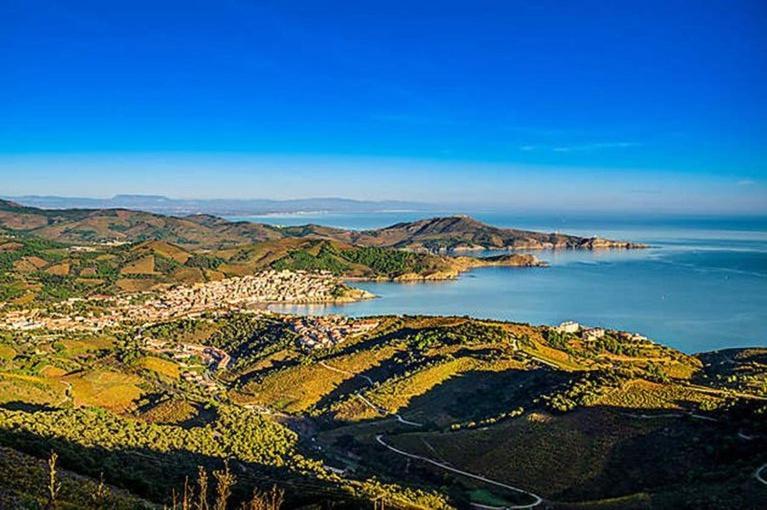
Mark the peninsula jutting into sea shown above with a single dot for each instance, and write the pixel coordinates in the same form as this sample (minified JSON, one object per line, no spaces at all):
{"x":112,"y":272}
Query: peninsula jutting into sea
{"x":160,"y":329}
{"x":338,"y":255}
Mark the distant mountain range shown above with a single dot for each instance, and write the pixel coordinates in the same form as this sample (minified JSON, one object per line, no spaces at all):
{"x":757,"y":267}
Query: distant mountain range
{"x":225,"y":207}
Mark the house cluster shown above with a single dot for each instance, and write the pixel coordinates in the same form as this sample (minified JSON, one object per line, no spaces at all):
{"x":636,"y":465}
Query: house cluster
{"x":213,"y":358}
{"x":326,"y":331}
{"x":21,"y":320}
{"x":265,"y":287}
{"x":201,"y":380}
{"x":28,"y":319}
{"x":590,"y":334}
{"x":594,"y":334}
{"x":633,"y":337}
{"x":232,"y":293}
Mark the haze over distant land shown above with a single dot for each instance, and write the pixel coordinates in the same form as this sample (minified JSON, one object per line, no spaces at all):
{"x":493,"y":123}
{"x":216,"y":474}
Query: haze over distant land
{"x":223,"y":206}
{"x":465,"y":186}
{"x":314,"y":207}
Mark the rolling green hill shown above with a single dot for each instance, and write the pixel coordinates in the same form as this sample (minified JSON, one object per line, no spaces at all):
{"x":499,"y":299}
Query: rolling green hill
{"x":416,"y":412}
{"x":90,"y":226}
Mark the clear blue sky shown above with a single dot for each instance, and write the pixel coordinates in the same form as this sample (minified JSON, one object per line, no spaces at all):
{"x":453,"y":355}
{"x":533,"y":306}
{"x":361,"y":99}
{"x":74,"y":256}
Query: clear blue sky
{"x":657,"y":105}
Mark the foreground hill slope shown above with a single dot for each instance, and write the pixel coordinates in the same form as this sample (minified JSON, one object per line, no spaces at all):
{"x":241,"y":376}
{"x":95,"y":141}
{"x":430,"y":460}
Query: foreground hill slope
{"x":434,"y":235}
{"x":402,"y":409}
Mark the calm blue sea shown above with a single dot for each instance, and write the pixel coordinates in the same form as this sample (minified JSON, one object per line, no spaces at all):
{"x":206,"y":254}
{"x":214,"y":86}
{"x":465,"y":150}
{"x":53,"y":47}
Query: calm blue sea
{"x":702,"y":285}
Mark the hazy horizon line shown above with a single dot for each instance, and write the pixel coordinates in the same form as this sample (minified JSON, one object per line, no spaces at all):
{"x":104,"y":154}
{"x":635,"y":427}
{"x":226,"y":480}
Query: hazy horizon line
{"x":443,"y":208}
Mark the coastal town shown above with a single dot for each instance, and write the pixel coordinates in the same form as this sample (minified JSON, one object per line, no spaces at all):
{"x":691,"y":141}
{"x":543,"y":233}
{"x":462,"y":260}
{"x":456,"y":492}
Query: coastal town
{"x":100,"y":312}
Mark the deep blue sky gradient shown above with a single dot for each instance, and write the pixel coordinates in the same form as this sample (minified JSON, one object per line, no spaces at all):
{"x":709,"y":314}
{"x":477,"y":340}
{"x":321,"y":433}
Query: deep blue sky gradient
{"x":653,"y":104}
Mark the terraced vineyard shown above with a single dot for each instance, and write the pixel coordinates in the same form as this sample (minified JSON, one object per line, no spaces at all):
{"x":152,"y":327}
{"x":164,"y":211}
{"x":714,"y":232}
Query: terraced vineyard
{"x":34,"y":271}
{"x":409,"y":412}
{"x":419,"y":412}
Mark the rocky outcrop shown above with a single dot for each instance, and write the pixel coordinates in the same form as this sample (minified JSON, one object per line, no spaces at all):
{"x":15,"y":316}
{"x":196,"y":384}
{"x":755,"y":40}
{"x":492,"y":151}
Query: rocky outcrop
{"x":511,"y":260}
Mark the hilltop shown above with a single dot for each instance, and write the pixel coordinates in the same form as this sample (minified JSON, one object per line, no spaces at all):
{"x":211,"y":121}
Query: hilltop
{"x":456,"y":234}
{"x":462,"y":233}
{"x":435,"y":235}
{"x":419,"y":412}
{"x":93,"y":226}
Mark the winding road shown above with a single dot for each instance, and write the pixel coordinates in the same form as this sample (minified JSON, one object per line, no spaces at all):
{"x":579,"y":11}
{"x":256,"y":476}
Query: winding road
{"x":670,"y":415}
{"x":379,"y":410}
{"x":758,"y":474}
{"x":537,"y":500}
{"x":384,"y":412}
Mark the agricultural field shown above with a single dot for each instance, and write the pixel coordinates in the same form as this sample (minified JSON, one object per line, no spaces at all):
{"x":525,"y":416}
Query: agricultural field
{"x":34,"y":270}
{"x":423,"y":412}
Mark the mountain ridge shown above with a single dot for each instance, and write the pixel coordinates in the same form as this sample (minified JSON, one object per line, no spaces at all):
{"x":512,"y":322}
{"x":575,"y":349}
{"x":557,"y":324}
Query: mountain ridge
{"x":432,"y":235}
{"x":460,"y":233}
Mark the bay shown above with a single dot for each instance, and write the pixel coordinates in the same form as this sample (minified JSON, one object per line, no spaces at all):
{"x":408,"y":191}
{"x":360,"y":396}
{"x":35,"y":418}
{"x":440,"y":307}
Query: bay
{"x":702,"y":285}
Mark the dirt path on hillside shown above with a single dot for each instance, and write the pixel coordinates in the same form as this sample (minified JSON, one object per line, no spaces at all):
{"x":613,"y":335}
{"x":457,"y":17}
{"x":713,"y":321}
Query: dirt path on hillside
{"x":537,"y":500}
{"x":378,"y":409}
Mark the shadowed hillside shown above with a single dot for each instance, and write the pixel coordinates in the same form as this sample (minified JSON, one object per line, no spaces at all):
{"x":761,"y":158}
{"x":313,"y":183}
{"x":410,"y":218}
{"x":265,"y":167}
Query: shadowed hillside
{"x":407,"y":409}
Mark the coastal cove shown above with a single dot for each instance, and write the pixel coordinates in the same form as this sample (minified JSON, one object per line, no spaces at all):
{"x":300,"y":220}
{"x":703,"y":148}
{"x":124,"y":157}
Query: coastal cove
{"x":700,"y":286}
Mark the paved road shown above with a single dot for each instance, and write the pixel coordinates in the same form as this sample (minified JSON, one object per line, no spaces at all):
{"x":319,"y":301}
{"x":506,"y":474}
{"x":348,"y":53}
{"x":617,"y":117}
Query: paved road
{"x":383,"y":411}
{"x":670,"y":415}
{"x":758,"y":474}
{"x":537,"y":500}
